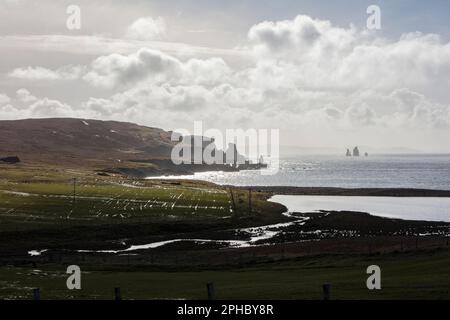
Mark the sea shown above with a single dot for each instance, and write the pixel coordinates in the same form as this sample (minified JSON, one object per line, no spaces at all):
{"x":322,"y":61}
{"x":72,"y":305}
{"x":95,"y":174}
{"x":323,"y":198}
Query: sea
{"x":420,"y":171}
{"x":430,"y":171}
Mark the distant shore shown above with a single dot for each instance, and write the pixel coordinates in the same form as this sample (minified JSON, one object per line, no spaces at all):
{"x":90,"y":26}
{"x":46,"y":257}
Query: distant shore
{"x":159,"y":168}
{"x":330,"y":191}
{"x":333,"y":191}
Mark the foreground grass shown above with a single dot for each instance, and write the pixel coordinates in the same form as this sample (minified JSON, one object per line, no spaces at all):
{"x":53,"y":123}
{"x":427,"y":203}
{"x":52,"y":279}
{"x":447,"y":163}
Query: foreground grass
{"x":36,"y":199}
{"x":419,"y":275}
{"x":38,"y":210}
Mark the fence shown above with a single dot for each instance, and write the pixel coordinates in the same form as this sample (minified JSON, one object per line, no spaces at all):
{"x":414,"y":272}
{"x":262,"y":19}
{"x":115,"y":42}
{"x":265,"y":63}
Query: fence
{"x":210,"y":291}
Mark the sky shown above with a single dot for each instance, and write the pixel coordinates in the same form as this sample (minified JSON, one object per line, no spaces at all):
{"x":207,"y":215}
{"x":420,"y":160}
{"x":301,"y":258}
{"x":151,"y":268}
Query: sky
{"x":312,"y":69}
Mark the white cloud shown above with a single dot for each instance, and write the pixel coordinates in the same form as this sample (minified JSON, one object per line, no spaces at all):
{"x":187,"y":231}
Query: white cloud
{"x":315,"y":54}
{"x":26,"y":105}
{"x":307,"y":77}
{"x":50,"y":108}
{"x":121,"y":71}
{"x":302,"y":39}
{"x":23,"y":95}
{"x":41,"y":73}
{"x":147,"y":28}
{"x":361,"y":114}
{"x":306,"y":72}
{"x":4,"y":99}
{"x":94,"y":45}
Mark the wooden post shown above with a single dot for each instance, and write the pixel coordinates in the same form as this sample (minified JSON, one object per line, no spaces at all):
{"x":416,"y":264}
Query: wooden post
{"x":74,"y":183}
{"x":211,"y":291}
{"x":74,"y":189}
{"x":37,"y":294}
{"x":326,"y":291}
{"x":250,"y":200}
{"x":232,"y":200}
{"x":117,"y":295}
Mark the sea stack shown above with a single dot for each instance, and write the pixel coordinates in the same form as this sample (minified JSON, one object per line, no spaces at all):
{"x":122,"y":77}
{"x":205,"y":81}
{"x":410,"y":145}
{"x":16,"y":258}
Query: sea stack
{"x":348,"y":154}
{"x":356,"y":152}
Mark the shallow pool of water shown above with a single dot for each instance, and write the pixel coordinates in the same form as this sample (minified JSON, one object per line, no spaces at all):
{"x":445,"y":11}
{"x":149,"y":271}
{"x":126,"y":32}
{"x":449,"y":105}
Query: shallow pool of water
{"x":408,"y":208}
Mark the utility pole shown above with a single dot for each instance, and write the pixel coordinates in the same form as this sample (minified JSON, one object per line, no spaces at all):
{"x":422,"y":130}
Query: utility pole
{"x":232,"y":199}
{"x":250,"y":200}
{"x":74,"y":181}
{"x":74,"y":189}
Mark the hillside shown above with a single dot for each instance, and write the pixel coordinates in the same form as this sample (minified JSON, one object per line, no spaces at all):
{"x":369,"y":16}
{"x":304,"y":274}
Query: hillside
{"x":81,"y":142}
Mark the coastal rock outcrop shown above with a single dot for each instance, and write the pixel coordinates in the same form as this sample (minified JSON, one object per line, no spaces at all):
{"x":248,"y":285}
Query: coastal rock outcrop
{"x":10,"y":160}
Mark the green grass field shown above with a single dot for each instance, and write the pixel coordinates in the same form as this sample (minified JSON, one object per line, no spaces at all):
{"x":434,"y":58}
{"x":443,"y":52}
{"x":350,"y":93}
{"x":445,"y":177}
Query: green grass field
{"x":37,"y":211}
{"x":52,"y":201}
{"x":424,"y":275}
{"x":41,"y":198}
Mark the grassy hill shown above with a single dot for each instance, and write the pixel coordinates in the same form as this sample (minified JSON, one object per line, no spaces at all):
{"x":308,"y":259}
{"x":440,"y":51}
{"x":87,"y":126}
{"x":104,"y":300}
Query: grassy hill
{"x":81,"y":142}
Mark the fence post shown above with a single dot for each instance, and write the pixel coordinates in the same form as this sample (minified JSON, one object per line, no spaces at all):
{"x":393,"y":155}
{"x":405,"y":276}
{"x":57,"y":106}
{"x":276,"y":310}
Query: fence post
{"x":232,"y":199}
{"x":117,"y":295}
{"x":37,"y":294}
{"x":326,"y":291}
{"x":250,"y":200}
{"x":211,"y":291}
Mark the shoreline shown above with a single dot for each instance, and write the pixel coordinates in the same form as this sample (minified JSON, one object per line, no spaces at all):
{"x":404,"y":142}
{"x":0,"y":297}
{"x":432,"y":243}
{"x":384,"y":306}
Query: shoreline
{"x":309,"y":190}
{"x":322,"y":191}
{"x":335,"y":191}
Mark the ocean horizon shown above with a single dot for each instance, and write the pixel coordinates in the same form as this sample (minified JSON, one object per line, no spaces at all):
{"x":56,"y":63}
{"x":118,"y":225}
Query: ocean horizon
{"x":418,"y":171}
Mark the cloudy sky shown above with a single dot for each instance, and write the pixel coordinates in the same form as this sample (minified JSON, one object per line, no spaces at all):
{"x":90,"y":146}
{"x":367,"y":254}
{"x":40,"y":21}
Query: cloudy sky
{"x":310,"y":68}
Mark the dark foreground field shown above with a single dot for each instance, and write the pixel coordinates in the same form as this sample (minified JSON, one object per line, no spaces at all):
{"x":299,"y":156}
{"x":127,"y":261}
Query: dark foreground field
{"x":418,"y":275}
{"x":230,"y":236}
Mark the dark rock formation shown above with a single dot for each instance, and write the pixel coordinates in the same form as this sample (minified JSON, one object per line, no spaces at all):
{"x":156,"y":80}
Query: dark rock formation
{"x":10,"y":160}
